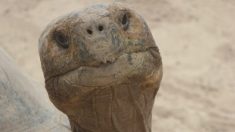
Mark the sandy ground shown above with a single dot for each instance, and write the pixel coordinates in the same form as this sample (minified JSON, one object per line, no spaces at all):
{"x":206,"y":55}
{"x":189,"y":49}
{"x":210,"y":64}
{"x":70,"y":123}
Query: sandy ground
{"x":196,"y":39}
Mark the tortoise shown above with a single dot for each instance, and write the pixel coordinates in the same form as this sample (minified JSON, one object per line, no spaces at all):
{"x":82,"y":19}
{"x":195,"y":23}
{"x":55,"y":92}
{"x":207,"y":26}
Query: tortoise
{"x":102,"y":69}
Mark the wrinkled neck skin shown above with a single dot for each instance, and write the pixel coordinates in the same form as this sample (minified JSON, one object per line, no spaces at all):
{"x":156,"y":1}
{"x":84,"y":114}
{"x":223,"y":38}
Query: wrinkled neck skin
{"x":118,"y":110}
{"x":117,"y":97}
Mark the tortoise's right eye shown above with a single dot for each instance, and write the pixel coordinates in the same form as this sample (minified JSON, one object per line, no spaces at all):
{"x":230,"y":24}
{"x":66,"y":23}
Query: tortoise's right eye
{"x":125,"y":21}
{"x":61,"y":39}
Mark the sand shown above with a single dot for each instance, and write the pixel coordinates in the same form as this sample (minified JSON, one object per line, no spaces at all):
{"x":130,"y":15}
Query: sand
{"x":196,"y":39}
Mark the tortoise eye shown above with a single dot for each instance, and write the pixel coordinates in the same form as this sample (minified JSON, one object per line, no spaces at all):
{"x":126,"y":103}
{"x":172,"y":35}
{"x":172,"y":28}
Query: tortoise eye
{"x":61,"y":39}
{"x":125,"y":21}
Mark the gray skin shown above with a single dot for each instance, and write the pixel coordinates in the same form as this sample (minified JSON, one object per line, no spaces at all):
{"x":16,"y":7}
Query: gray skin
{"x":102,"y":69}
{"x":24,"y":105}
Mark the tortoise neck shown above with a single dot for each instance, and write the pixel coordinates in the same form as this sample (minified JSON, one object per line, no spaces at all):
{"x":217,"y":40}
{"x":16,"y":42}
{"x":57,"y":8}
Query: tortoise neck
{"x":123,"y":108}
{"x":138,"y":125}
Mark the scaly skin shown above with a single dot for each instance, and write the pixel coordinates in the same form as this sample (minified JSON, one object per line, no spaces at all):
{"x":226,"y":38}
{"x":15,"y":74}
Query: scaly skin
{"x":102,"y":69}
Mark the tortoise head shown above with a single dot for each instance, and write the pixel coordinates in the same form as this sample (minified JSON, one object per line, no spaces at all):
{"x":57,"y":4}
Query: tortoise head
{"x":94,"y":50}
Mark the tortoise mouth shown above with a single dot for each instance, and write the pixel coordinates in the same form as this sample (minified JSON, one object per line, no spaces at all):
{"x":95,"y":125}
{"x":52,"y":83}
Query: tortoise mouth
{"x":108,"y":66}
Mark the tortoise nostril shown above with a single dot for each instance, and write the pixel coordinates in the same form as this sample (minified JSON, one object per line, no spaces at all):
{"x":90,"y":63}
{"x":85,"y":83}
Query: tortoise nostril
{"x":100,"y":28}
{"x":89,"y":31}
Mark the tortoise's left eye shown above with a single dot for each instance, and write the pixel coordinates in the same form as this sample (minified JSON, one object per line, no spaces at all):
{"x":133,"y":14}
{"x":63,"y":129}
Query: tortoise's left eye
{"x":61,"y":39}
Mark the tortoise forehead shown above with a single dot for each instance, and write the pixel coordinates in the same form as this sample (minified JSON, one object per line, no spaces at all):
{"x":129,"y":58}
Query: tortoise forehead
{"x":93,"y":12}
{"x":96,"y":9}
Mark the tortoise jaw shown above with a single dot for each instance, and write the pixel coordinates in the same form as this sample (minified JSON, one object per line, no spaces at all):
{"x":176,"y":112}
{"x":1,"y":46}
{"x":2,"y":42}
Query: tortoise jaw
{"x":112,"y":72}
{"x":106,"y":62}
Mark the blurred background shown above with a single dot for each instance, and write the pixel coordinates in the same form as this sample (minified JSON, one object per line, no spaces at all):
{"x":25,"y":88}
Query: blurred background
{"x":196,"y":39}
